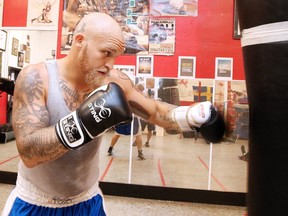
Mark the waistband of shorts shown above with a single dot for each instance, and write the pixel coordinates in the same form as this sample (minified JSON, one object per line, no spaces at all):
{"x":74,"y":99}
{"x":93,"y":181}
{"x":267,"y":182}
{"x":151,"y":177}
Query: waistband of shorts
{"x":31,"y":194}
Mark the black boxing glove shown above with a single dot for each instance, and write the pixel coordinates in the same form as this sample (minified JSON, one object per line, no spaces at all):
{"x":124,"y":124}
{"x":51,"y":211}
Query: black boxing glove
{"x":104,"y":108}
{"x":202,"y":117}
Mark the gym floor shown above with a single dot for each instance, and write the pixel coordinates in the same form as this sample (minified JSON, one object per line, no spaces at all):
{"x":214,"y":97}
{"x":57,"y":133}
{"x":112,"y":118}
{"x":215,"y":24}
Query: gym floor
{"x":170,"y":162}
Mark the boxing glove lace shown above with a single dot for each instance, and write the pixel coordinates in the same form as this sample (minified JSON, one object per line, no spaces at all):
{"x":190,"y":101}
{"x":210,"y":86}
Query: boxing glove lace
{"x":202,"y":117}
{"x":104,"y":108}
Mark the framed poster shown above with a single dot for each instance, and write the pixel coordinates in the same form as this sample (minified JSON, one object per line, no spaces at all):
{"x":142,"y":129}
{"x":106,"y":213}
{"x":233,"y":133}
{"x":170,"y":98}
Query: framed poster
{"x":186,"y":66}
{"x":27,"y":54}
{"x":3,"y":39}
{"x":20,"y":61}
{"x":145,"y":65}
{"x":223,"y":68}
{"x":15,"y":44}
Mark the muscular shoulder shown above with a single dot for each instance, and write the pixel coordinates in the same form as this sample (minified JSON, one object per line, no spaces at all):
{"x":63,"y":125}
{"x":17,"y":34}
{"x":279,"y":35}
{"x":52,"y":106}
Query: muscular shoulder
{"x":34,"y":69}
{"x":33,"y":77}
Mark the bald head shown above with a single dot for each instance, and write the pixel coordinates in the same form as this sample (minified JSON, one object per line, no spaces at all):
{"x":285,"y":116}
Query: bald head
{"x":95,"y":23}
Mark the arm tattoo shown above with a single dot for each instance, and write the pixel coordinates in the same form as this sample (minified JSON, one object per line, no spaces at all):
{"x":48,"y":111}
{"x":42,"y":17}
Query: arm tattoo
{"x":124,"y":76}
{"x":31,"y":120}
{"x":139,"y":110}
{"x":166,"y":120}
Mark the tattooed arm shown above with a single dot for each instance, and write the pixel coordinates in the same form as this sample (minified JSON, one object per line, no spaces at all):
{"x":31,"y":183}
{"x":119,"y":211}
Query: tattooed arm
{"x":36,"y":141}
{"x":154,"y":111}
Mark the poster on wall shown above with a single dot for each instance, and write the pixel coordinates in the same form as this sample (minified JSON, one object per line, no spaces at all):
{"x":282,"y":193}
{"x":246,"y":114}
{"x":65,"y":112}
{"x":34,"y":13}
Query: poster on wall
{"x":20,"y":61}
{"x":223,"y":68}
{"x":145,"y":66}
{"x":15,"y":45}
{"x":43,"y":13}
{"x":130,"y":14}
{"x":186,"y":66}
{"x":27,"y":55}
{"x":3,"y":40}
{"x":174,"y":8}
{"x":162,"y":36}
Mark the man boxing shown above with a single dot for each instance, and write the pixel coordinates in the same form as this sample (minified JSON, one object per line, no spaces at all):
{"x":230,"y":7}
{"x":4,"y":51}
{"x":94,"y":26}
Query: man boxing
{"x":62,"y":107}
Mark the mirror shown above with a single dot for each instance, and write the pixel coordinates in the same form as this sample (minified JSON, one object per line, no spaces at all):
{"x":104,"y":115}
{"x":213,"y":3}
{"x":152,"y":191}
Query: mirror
{"x":185,"y":161}
{"x":181,"y":161}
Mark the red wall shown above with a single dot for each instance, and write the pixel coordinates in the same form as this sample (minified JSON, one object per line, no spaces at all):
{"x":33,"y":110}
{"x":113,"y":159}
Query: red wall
{"x":207,"y":36}
{"x":15,"y":13}
{"x":3,"y":107}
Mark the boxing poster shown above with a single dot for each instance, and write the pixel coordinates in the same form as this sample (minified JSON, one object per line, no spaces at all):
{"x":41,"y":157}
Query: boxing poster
{"x":132,"y":16}
{"x":162,"y":36}
{"x":174,"y":8}
{"x":43,"y":13}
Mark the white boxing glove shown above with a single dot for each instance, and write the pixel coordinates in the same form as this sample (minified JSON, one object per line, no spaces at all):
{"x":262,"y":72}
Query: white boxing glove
{"x":203,"y":117}
{"x":192,"y":116}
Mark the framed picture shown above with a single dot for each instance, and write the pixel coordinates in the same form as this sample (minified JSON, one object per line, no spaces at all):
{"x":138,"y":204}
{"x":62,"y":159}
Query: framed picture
{"x":27,"y":54}
{"x":15,"y":45}
{"x":223,"y":68}
{"x":186,"y":66}
{"x":145,"y":64}
{"x":236,"y":30}
{"x":3,"y":39}
{"x":20,"y":62}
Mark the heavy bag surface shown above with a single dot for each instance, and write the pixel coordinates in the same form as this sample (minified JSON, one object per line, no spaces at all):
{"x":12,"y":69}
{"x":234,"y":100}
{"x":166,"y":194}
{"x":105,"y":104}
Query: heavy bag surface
{"x":265,"y":49}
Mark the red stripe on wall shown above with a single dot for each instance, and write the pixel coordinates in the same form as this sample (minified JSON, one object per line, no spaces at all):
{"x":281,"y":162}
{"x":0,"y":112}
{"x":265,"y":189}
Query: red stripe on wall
{"x":15,"y":13}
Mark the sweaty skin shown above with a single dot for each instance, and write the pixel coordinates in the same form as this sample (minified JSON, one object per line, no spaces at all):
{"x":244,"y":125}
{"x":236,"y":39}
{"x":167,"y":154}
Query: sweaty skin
{"x":97,"y":41}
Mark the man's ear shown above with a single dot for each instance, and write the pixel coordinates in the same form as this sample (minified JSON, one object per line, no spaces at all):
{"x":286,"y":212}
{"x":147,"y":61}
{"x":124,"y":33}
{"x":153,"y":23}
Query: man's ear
{"x":79,"y":39}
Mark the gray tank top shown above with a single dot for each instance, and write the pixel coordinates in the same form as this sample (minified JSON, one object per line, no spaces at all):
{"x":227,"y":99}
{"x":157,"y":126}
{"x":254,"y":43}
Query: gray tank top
{"x":55,"y":102}
{"x":75,"y":171}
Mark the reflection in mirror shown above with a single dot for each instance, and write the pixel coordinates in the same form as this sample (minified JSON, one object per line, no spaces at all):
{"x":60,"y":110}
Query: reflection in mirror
{"x":186,"y":160}
{"x":181,"y":161}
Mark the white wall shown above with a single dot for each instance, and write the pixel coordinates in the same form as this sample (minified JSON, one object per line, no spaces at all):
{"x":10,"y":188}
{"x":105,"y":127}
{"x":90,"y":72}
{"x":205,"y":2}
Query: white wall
{"x":41,"y":45}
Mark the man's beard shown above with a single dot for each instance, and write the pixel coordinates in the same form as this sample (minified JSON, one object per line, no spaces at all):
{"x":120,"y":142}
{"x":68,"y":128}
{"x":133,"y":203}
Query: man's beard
{"x":92,"y":79}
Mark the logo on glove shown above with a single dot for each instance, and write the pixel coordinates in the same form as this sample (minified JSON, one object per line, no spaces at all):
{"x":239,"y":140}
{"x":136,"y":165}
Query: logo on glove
{"x":103,"y":113}
{"x":70,"y":129}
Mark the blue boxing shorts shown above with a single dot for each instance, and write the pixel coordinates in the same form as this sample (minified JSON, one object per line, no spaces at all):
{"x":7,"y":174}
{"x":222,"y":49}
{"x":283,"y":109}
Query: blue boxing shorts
{"x":80,"y":205}
{"x":125,"y":129}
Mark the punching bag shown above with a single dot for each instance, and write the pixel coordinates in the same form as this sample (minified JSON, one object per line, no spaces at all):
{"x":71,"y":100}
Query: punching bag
{"x":264,"y":41}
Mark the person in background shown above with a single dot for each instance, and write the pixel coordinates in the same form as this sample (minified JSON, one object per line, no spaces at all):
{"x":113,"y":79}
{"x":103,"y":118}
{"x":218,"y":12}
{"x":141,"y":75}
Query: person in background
{"x":144,"y":123}
{"x":125,"y":130}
